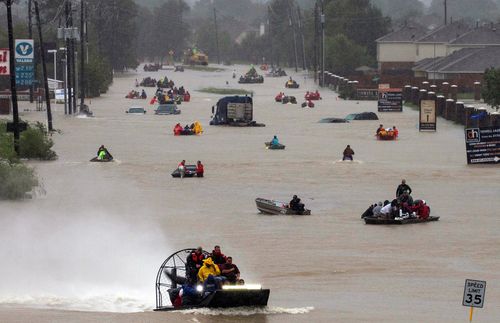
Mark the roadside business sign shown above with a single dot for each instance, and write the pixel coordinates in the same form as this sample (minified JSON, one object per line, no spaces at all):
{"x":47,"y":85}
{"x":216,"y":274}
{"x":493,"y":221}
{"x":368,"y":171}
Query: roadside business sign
{"x":390,"y":100}
{"x":24,"y":55}
{"x":482,"y":145}
{"x":427,"y":117}
{"x":474,"y":293}
{"x":4,"y":61}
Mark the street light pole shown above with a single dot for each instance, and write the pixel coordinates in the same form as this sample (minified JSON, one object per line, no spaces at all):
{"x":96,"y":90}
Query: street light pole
{"x":13,"y":89}
{"x":323,"y":43}
{"x":65,"y":79}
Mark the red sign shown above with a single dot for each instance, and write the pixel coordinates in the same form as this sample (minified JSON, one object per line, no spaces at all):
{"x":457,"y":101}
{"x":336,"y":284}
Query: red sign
{"x":4,"y":62}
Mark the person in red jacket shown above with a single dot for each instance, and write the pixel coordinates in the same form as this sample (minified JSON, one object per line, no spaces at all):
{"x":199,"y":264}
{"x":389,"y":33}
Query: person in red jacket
{"x":178,"y":129}
{"x":217,"y":256}
{"x":199,"y":169}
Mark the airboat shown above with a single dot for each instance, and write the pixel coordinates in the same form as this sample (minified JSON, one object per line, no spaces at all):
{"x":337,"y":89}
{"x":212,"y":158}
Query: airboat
{"x":172,"y":274}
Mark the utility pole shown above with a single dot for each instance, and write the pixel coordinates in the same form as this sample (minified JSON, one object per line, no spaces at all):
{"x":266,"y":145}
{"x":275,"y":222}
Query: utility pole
{"x":216,"y":36}
{"x":73,"y":62}
{"x":69,"y":86}
{"x":445,"y":13}
{"x":270,"y":34}
{"x":30,"y":36}
{"x":293,"y":35}
{"x":322,"y":43}
{"x":301,"y":30}
{"x":315,"y":49}
{"x":13,"y":89}
{"x":82,"y":56}
{"x":44,"y":68}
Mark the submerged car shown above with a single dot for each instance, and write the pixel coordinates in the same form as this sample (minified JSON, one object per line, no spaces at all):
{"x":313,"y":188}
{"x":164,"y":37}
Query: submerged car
{"x":362,"y":116}
{"x":168,"y":108}
{"x":136,"y":110}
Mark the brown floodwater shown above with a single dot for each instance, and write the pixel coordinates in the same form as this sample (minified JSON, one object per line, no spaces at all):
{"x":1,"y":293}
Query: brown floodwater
{"x":87,"y":250}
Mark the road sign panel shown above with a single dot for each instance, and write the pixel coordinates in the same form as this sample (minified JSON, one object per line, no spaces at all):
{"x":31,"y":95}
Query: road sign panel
{"x":474,"y":293}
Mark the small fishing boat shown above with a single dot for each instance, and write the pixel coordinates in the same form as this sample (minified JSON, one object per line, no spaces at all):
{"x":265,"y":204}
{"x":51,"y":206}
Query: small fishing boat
{"x":277,"y":207}
{"x":278,"y":146}
{"x":378,"y":220}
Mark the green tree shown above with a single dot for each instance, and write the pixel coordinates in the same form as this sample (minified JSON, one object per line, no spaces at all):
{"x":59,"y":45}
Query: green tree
{"x":491,"y":88}
{"x":343,"y":55}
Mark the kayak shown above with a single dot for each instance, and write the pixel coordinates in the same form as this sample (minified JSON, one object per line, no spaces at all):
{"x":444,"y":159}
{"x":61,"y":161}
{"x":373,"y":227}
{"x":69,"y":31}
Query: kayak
{"x":278,"y":146}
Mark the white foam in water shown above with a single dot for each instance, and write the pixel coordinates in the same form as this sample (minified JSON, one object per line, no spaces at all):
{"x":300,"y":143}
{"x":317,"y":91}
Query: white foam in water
{"x":340,"y":161}
{"x":247,"y":311}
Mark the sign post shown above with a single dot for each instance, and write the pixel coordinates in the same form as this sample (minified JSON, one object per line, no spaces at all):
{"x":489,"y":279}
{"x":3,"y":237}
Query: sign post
{"x":482,"y":145}
{"x":474,"y":291}
{"x":427,"y":117}
{"x":24,"y":55}
{"x":390,"y":100}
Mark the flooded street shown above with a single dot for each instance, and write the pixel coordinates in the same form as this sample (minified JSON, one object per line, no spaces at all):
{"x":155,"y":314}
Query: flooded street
{"x":88,"y":250}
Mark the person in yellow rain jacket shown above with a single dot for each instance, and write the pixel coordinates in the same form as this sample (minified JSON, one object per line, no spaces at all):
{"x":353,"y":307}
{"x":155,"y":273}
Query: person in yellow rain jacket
{"x":209,"y":275}
{"x":197,"y":129}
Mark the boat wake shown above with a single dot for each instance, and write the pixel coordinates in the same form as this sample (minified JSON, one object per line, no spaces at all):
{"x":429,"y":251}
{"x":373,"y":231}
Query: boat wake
{"x":96,"y":303}
{"x":247,"y":311}
{"x":340,"y":161}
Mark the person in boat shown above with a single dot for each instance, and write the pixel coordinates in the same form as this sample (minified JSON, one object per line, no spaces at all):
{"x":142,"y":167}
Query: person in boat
{"x":377,"y":208}
{"x":182,"y":168}
{"x":395,"y":131}
{"x":403,"y":188}
{"x":103,"y":153}
{"x":193,"y":264}
{"x":197,"y":129}
{"x":290,"y":81}
{"x":296,"y":205}
{"x":217,"y":256}
{"x":230,"y":271}
{"x":187,"y":130}
{"x":368,"y":212}
{"x":390,"y":210}
{"x":317,"y":94}
{"x":275,"y":141}
{"x":348,"y":153}
{"x":209,"y":275}
{"x":421,"y":209}
{"x":178,"y":129}
{"x":143,"y":94}
{"x":380,"y":128}
{"x":200,"y":169}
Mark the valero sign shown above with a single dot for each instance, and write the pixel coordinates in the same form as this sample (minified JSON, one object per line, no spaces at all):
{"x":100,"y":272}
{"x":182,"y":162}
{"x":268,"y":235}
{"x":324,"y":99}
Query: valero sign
{"x":24,"y":55}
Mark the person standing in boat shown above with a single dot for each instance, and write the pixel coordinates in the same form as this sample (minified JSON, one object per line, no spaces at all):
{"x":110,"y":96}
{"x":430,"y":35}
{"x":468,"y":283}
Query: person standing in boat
{"x":403,"y":188}
{"x":348,"y":153}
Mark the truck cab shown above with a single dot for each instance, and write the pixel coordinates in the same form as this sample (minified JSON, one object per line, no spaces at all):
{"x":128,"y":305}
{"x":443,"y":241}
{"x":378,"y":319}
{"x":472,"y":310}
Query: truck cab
{"x":233,"y":110}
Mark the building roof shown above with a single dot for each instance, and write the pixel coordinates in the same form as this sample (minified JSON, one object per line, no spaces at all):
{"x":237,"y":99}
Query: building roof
{"x":485,"y":35}
{"x":408,"y":33}
{"x":446,"y":33}
{"x":466,"y":60}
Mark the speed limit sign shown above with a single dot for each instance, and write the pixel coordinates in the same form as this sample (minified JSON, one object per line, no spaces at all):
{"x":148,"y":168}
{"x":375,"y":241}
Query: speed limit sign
{"x":474,"y":293}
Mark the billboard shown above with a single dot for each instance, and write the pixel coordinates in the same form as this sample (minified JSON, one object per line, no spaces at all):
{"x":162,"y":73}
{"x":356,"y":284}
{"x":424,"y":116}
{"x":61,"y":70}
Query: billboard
{"x":24,"y":55}
{"x":4,"y":61}
{"x":427,"y":116}
{"x":390,"y":100}
{"x":482,"y":145}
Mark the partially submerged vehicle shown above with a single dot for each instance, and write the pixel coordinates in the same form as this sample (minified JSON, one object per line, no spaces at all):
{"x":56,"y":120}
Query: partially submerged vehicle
{"x":167,"y":108}
{"x":289,"y":99}
{"x":148,"y":82}
{"x":236,"y":111}
{"x":275,"y":146}
{"x":171,"y":278}
{"x":179,"y":68}
{"x":277,"y":207}
{"x":379,"y":220}
{"x":333,"y":120}
{"x":189,"y":171}
{"x":136,"y":110}
{"x":362,"y":116}
{"x":276,"y":73}
{"x":152,"y":67}
{"x":193,"y":56}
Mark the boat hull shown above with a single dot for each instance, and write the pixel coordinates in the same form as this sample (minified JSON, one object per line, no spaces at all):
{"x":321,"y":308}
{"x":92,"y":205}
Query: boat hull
{"x":374,"y":220}
{"x":270,"y":207}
